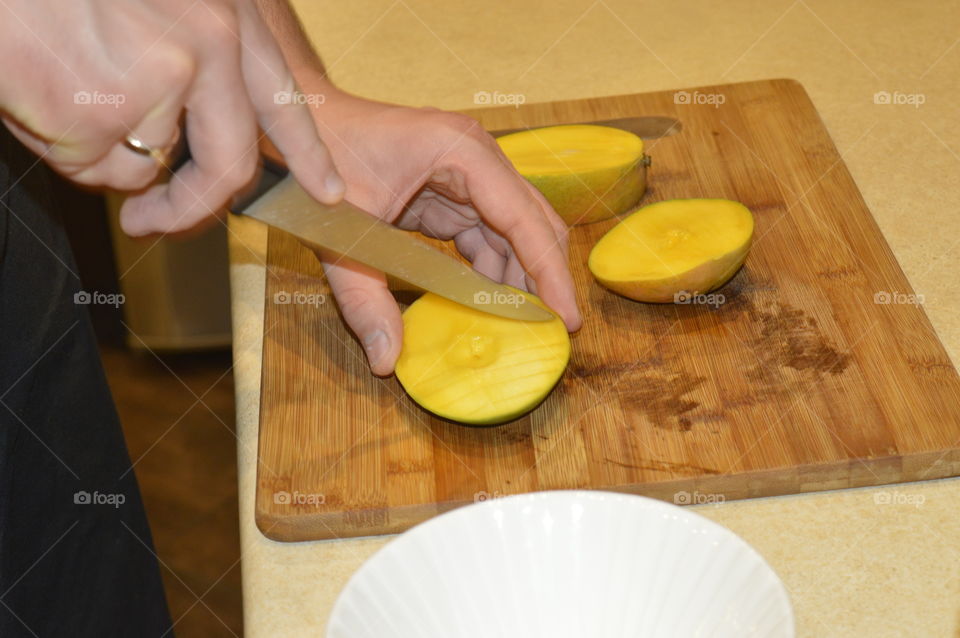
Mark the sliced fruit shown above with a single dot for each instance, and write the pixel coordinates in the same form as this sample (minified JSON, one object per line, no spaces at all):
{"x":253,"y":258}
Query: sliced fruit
{"x":587,"y":172}
{"x":474,"y":367}
{"x":670,"y":249}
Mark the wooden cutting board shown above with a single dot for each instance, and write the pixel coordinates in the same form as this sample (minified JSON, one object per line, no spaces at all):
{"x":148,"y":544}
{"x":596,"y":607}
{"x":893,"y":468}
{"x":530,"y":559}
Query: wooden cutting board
{"x":800,"y":378}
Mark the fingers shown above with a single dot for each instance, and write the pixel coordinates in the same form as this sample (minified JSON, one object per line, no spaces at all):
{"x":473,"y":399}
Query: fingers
{"x":368,"y":308}
{"x":125,"y":169}
{"x":514,"y":275}
{"x":485,"y":259}
{"x":560,"y":228}
{"x":507,"y":205}
{"x":35,"y":144}
{"x":282,"y":110}
{"x":221,"y":131}
{"x":489,"y":253}
{"x":120,"y":168}
{"x":513,"y":272}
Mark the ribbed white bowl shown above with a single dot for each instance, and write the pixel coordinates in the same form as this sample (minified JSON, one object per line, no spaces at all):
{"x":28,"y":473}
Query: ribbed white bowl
{"x":578,"y":564}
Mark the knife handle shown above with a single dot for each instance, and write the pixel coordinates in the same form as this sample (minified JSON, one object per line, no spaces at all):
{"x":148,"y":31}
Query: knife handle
{"x":271,"y":174}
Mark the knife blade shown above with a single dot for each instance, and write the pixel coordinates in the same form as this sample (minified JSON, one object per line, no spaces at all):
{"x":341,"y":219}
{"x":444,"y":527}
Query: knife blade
{"x":347,"y":230}
{"x":648,"y":126}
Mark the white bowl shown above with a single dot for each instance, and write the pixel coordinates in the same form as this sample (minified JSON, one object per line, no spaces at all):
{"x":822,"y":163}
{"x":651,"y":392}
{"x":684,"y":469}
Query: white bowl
{"x":581,"y":564}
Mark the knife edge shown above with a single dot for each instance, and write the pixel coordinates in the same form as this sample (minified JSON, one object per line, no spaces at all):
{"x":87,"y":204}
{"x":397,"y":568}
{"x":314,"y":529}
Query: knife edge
{"x":347,"y":230}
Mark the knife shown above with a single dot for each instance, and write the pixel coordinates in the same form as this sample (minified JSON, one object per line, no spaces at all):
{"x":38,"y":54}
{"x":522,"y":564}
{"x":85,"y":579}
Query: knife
{"x":648,"y":126}
{"x":347,"y":230}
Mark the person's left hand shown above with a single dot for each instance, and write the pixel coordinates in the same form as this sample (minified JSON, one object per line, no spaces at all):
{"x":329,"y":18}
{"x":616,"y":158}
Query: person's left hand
{"x":441,"y":174}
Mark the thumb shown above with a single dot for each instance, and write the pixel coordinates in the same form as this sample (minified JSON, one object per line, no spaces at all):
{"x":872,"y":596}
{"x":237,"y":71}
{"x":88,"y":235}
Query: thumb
{"x":368,"y":308}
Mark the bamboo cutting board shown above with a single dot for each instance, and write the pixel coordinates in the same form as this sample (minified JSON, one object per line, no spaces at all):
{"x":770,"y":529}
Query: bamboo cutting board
{"x":816,"y":370}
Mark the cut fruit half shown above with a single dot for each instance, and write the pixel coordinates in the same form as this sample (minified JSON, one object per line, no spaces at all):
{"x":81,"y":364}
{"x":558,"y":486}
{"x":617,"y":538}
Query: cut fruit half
{"x":586,"y":172}
{"x":672,"y":250}
{"x":473,"y":367}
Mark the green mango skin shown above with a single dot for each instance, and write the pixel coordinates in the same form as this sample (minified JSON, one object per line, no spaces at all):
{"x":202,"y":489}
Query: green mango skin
{"x":584,"y":198}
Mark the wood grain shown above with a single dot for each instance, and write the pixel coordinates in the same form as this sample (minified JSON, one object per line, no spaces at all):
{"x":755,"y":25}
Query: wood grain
{"x":798,"y":381}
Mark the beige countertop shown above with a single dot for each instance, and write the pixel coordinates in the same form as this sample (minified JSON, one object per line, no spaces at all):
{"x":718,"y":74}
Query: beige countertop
{"x":872,"y":562}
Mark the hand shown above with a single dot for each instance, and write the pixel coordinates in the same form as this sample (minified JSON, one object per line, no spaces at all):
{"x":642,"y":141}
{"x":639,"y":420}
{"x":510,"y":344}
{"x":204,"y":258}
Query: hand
{"x":81,"y":76}
{"x":443,"y":175}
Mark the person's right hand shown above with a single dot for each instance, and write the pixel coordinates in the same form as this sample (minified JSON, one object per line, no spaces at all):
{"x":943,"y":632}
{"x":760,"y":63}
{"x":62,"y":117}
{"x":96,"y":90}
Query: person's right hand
{"x":82,"y":76}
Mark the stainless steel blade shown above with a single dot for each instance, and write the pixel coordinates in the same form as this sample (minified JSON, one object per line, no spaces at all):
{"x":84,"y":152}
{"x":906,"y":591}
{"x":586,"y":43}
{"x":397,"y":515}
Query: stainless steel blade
{"x":347,"y":230}
{"x":648,"y":127}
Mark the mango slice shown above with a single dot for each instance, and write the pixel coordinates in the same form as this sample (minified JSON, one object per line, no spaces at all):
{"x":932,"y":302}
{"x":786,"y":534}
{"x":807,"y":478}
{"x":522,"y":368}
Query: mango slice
{"x":674,"y":248}
{"x":586,"y":172}
{"x":477,"y":368}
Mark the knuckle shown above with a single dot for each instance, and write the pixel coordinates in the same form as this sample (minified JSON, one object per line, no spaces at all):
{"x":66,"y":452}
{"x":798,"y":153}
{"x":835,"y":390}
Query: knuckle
{"x":556,"y":224}
{"x":104,"y":123}
{"x":463,"y":125}
{"x":318,"y":150}
{"x":130,"y":178}
{"x":240,"y":173}
{"x":513,"y":226}
{"x":172,"y":67}
{"x":217,"y":23}
{"x":137,"y":179}
{"x":309,"y":149}
{"x":353,"y":299}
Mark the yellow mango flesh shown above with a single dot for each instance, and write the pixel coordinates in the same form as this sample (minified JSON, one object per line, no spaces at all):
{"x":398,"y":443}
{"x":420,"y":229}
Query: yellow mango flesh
{"x":689,"y":246}
{"x":474,"y":367}
{"x":587,"y":173}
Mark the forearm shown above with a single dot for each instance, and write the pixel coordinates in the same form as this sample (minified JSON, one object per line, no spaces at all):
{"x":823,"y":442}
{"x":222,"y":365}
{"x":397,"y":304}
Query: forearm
{"x":299,"y":54}
{"x":342,"y":119}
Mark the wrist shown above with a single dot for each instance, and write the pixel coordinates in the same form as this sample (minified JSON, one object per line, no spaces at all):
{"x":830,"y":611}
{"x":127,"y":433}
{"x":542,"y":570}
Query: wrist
{"x":327,"y":102}
{"x":328,"y":106}
{"x":338,"y":115}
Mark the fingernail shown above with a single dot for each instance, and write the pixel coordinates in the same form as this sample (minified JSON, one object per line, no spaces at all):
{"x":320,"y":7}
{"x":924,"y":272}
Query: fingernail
{"x":376,"y":344}
{"x":334,"y":185}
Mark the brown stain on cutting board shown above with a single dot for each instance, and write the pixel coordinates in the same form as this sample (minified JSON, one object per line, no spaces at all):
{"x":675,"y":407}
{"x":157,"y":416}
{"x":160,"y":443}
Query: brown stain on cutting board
{"x":786,"y":337}
{"x":796,"y":382}
{"x":641,"y":386}
{"x":664,"y":399}
{"x":793,"y":339}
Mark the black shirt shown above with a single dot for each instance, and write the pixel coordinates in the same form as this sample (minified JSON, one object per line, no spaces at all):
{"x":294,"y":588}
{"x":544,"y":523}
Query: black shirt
{"x":76,"y":556}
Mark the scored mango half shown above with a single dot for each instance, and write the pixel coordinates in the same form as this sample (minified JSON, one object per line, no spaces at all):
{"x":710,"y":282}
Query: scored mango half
{"x":586,"y":172}
{"x":473,"y":367}
{"x":672,"y":249}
